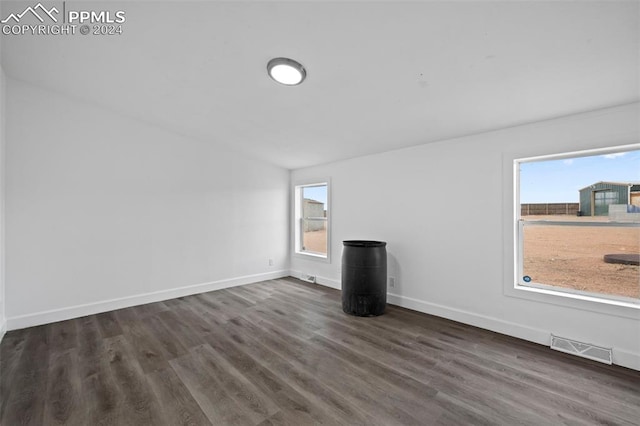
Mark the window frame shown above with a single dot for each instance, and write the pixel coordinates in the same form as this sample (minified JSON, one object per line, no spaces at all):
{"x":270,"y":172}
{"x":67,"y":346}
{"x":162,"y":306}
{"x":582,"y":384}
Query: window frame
{"x":297,"y":220}
{"x":513,"y":242}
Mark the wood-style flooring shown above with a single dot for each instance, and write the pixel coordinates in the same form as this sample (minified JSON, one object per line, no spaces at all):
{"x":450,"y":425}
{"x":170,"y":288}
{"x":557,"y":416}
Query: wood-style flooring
{"x":283,"y":352}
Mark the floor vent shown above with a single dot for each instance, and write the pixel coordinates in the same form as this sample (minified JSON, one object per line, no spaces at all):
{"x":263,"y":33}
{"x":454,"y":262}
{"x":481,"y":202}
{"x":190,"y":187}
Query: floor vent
{"x":309,"y":278}
{"x":585,"y":350}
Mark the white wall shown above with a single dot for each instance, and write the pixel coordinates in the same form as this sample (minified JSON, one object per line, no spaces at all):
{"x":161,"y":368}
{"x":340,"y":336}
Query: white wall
{"x":445,"y":211}
{"x":103,"y":211}
{"x":3,"y":323}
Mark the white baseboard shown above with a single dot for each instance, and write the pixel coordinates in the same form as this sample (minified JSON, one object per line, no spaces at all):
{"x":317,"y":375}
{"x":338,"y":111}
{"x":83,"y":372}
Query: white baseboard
{"x":55,"y":315}
{"x":626,"y":359}
{"x":3,"y":328}
{"x":482,"y":321}
{"x":531,"y":334}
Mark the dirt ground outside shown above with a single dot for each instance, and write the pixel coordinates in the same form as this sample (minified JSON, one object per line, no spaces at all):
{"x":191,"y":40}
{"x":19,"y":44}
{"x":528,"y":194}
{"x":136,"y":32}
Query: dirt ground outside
{"x":565,"y":257}
{"x":573,"y":256}
{"x":315,"y":241}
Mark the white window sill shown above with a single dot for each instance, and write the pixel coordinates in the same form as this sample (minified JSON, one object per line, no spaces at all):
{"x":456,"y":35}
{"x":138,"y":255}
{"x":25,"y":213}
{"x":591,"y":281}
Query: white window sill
{"x":584,"y":302}
{"x":312,"y":256}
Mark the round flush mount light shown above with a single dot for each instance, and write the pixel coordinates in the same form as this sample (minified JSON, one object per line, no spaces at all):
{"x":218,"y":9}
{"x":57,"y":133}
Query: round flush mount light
{"x":286,"y":71}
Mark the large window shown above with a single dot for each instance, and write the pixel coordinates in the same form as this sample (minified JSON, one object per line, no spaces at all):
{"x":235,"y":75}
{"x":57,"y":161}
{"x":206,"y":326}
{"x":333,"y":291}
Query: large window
{"x":312,"y":219}
{"x":578,"y":224}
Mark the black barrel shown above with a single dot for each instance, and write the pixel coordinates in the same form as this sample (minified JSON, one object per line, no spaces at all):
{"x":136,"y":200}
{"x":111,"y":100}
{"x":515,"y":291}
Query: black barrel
{"x":364,"y":277}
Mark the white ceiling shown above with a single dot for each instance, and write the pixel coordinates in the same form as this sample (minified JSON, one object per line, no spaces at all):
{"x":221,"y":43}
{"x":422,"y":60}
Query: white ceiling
{"x":381,"y":76}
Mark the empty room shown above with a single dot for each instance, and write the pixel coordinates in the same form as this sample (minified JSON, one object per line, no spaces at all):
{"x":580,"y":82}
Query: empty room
{"x":319,"y":213}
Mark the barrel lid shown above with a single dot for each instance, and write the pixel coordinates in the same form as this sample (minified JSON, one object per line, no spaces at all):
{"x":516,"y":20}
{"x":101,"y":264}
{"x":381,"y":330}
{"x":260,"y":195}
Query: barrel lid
{"x":364,"y":243}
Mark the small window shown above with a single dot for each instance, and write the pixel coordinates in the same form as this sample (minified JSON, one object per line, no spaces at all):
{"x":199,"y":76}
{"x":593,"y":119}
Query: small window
{"x":312,"y":219}
{"x":578,"y":224}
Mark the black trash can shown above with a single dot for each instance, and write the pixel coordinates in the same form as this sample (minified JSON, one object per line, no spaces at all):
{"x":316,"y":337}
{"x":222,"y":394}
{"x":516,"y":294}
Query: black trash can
{"x":364,"y":277}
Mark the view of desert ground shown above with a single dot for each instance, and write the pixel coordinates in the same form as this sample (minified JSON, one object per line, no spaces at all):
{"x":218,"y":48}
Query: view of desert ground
{"x":573,"y":256}
{"x":315,"y":241}
{"x":565,"y":256}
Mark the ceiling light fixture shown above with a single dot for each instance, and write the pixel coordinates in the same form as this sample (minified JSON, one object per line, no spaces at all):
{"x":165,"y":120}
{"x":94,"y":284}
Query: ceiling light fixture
{"x":286,"y":71}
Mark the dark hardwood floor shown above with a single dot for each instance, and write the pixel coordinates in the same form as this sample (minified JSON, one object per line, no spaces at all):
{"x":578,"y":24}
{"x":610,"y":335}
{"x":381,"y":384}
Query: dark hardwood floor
{"x":282,"y":352}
